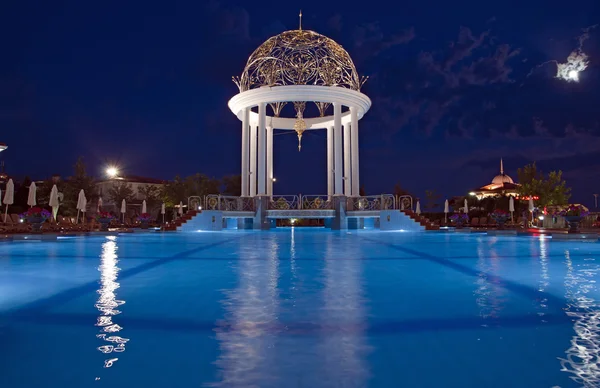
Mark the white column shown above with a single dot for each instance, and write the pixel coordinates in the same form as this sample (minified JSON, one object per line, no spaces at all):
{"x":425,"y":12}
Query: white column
{"x":337,"y":141}
{"x":252,"y":174}
{"x":354,"y":131}
{"x":245,"y":152}
{"x":262,"y":149}
{"x":270,"y":161}
{"x":347,"y":165}
{"x":330,"y":161}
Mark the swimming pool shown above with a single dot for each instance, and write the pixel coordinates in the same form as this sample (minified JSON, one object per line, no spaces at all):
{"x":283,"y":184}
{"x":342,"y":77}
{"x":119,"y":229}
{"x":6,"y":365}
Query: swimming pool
{"x":299,"y":308}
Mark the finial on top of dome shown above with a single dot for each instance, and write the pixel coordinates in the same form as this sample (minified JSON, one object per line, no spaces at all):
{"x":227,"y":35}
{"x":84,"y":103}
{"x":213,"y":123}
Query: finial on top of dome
{"x":501,"y":167}
{"x":300,"y":20}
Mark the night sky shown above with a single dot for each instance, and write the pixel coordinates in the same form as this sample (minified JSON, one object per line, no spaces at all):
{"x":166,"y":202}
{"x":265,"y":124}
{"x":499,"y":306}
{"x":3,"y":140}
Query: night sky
{"x":455,"y":86}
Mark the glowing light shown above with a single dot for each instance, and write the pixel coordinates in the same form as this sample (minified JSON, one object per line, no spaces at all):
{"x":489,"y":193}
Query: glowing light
{"x":574,"y":75}
{"x":112,"y":171}
{"x":576,"y":63}
{"x":471,"y":193}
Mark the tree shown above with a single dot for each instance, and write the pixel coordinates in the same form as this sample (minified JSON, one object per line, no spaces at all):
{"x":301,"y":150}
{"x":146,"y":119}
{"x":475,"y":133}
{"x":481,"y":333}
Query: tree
{"x":73,"y":185}
{"x":201,"y":185}
{"x":551,"y":189}
{"x":152,"y":195}
{"x":180,"y":189}
{"x":119,"y":192}
{"x":232,"y":185}
{"x":362,"y":192}
{"x":174,"y":191}
{"x":400,"y":191}
{"x":432,"y":200}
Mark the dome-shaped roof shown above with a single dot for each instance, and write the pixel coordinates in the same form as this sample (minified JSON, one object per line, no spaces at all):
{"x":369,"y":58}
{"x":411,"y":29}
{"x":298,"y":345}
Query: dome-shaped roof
{"x":502,"y":179}
{"x":299,"y":57}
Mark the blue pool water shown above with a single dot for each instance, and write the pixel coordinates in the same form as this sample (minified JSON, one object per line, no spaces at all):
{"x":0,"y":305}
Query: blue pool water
{"x":299,"y":308}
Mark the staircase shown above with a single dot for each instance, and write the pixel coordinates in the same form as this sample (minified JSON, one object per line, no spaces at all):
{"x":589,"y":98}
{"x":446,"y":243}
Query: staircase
{"x":423,"y":221}
{"x":180,"y":221}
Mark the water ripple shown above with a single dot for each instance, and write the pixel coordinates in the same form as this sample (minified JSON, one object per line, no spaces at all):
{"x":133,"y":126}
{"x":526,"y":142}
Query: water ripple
{"x":107,"y":302}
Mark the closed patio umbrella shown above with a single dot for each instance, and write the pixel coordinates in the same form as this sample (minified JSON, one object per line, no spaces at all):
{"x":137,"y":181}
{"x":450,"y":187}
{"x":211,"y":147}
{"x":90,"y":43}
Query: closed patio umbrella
{"x":144,"y":206}
{"x":162,"y":211}
{"x":511,"y":208}
{"x":466,"y":207}
{"x":180,"y":208}
{"x":123,"y":209}
{"x":531,"y":208}
{"x":80,"y":199}
{"x":9,"y":196}
{"x":53,"y":202}
{"x":83,"y":207}
{"x":418,"y":209}
{"x":446,"y":211}
{"x":31,"y":197}
{"x":99,"y":204}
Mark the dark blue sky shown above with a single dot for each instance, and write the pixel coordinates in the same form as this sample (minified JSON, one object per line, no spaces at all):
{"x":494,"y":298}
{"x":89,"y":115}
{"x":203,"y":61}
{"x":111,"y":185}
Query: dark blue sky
{"x":453,"y":85}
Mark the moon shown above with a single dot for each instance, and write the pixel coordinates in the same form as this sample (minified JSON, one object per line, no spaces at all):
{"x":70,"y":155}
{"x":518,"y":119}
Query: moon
{"x":574,"y":75}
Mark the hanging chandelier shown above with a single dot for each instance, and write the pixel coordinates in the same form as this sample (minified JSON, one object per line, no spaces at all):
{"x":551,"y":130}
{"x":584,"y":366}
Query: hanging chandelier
{"x":299,"y":127}
{"x":300,"y":124}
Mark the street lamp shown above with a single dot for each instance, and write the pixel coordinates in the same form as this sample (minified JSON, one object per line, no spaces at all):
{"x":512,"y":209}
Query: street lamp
{"x":112,"y":172}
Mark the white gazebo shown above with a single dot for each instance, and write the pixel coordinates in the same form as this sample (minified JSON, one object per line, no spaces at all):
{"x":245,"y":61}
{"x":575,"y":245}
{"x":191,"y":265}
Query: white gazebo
{"x":300,"y":67}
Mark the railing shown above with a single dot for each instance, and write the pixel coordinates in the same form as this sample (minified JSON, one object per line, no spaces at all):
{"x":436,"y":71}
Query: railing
{"x":300,"y":202}
{"x":194,"y":203}
{"x":404,"y":202}
{"x":316,"y":202}
{"x":228,"y":203}
{"x":371,"y":202}
{"x":285,"y":202}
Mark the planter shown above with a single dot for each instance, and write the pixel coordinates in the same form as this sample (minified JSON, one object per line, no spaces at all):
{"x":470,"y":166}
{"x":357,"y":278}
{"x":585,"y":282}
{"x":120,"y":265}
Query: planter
{"x":36,"y":223}
{"x":573,"y":222}
{"x":501,"y":222}
{"x":104,"y":223}
{"x":144,"y":224}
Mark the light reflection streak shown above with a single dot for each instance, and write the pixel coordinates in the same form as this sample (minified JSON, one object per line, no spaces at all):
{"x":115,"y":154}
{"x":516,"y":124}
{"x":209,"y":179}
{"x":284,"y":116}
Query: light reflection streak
{"x":583,"y":356}
{"x":107,"y":302}
{"x":343,"y":352}
{"x":544,"y":278}
{"x":247,"y":335}
{"x":488,"y":294}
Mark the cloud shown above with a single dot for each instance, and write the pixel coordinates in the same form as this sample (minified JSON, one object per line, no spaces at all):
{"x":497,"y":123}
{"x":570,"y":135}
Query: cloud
{"x":229,"y":21}
{"x":435,"y":91}
{"x":370,"y":40}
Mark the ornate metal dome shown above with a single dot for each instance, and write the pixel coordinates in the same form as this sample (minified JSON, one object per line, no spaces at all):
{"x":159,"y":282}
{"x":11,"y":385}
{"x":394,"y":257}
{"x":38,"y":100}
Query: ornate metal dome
{"x":299,"y":57}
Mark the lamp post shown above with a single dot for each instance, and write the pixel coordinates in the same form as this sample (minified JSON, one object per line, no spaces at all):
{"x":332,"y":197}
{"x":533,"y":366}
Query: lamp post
{"x":596,"y":200}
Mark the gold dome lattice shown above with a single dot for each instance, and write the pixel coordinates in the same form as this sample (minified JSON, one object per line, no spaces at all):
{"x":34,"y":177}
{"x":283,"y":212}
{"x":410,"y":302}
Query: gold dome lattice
{"x":299,"y":57}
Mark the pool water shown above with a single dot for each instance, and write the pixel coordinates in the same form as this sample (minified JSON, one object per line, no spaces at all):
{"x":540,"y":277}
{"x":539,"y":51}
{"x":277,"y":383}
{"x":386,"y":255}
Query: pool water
{"x":299,"y":308}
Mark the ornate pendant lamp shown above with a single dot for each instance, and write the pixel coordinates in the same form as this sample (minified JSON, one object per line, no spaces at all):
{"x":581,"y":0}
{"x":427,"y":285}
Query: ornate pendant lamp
{"x":299,"y":127}
{"x":300,"y":124}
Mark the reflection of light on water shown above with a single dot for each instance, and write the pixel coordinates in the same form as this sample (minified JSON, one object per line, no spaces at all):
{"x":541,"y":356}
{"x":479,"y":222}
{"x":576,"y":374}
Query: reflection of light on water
{"x":246,"y":337}
{"x":488,"y":293}
{"x":343,"y":351}
{"x":107,"y":302}
{"x":583,"y":357}
{"x":545,"y":278}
